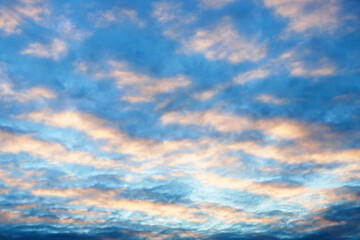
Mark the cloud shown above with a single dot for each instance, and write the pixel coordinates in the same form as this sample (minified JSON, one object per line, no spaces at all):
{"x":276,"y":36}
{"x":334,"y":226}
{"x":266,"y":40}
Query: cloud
{"x":75,"y":192}
{"x":76,"y":212}
{"x":221,"y":42}
{"x":277,"y":127}
{"x":116,"y":15}
{"x":166,"y":11}
{"x":6,"y":215}
{"x":165,"y":210}
{"x":301,"y":152}
{"x":36,"y":10}
{"x":52,"y":152}
{"x":94,"y":127}
{"x":176,"y":143}
{"x":138,"y":149}
{"x":205,"y":95}
{"x":294,"y":60}
{"x":12,"y":181}
{"x":299,"y":62}
{"x":251,"y":75}
{"x":8,"y":93}
{"x":13,"y":17}
{"x":323,"y":16}
{"x":137,"y":87}
{"x":10,"y":21}
{"x":312,"y":224}
{"x":224,"y":43}
{"x":172,"y":18}
{"x":106,"y":199}
{"x":279,"y":191}
{"x":69,"y":31}
{"x":208,"y":94}
{"x":311,"y":142}
{"x":17,"y":218}
{"x":347,"y":172}
{"x":215,"y":3}
{"x":205,"y":153}
{"x":33,"y":93}
{"x":54,"y":50}
{"x":4,"y":191}
{"x":232,"y":215}
{"x":144,"y":88}
{"x":266,"y":98}
{"x":298,"y":69}
{"x":173,"y":235}
{"x":310,"y":198}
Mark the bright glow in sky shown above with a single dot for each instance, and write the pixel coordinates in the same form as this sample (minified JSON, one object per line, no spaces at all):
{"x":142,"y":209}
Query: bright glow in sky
{"x":194,"y":119}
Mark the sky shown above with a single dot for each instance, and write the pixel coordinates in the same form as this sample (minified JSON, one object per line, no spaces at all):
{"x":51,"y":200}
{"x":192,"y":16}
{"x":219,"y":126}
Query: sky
{"x":193,"y":119}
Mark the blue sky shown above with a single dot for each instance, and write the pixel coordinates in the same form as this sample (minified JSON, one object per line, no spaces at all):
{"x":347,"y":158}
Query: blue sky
{"x":194,"y":119}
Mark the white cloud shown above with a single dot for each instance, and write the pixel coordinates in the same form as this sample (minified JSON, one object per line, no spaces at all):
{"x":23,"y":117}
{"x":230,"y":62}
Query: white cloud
{"x":266,"y":98}
{"x":173,"y":18}
{"x":205,"y":95}
{"x":208,"y":94}
{"x":308,"y":14}
{"x":103,"y":18}
{"x":299,"y":67}
{"x":12,"y":17}
{"x":215,"y":3}
{"x":37,"y":93}
{"x":224,"y":43}
{"x":276,"y":127}
{"x":9,"y":21}
{"x":68,"y":30}
{"x":166,"y":11}
{"x":142,"y":88}
{"x":54,"y":50}
{"x":8,"y":93}
{"x":137,"y":87}
{"x":35,"y":10}
{"x":251,"y":75}
{"x":296,"y":62}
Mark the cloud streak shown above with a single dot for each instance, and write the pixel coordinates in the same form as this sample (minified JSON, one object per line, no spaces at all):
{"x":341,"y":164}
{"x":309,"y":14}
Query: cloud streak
{"x":224,"y":43}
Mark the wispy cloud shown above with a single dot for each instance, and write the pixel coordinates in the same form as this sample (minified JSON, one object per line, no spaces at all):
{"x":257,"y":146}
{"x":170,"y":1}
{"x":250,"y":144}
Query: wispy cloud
{"x":34,"y":93}
{"x":215,"y":3}
{"x":139,"y":149}
{"x":36,"y":10}
{"x":68,"y":30}
{"x":300,"y":67}
{"x":251,"y":75}
{"x":9,"y":93}
{"x":281,"y":128}
{"x":54,"y":50}
{"x":13,"y":18}
{"x":9,"y":21}
{"x":278,"y":191}
{"x":116,"y":15}
{"x":266,"y":98}
{"x":50,"y":151}
{"x":137,"y":87}
{"x":223,"y":42}
{"x":172,"y":18}
{"x":318,"y":15}
{"x":166,"y":11}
